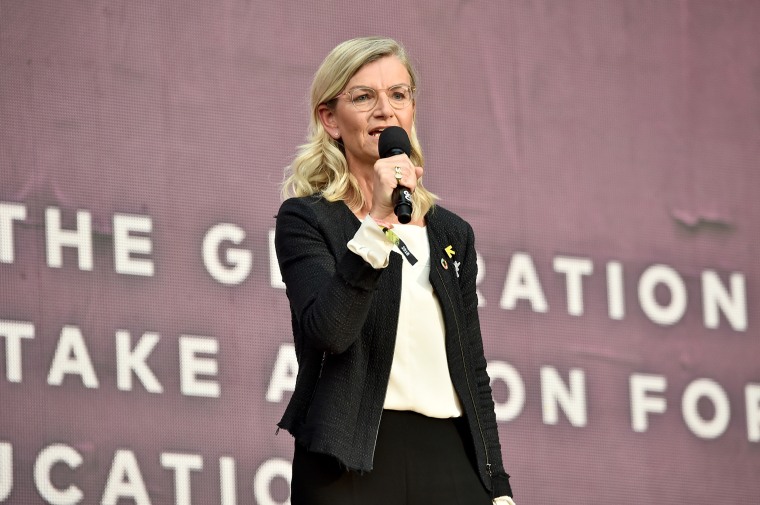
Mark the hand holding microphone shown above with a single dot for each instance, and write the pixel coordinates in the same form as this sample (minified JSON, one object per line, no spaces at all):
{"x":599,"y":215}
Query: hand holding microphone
{"x":394,"y":141}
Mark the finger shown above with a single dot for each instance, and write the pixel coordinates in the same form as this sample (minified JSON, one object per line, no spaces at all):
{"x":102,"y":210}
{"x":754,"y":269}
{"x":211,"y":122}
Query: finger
{"x":409,"y":177}
{"x":418,"y":171}
{"x":402,"y":176}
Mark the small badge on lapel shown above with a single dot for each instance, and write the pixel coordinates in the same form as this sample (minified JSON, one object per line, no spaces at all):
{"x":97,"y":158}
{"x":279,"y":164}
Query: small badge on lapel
{"x":450,"y":252}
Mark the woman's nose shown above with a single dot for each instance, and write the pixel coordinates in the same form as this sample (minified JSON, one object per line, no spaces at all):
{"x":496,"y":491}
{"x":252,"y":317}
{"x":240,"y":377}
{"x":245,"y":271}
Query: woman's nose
{"x":384,"y":104}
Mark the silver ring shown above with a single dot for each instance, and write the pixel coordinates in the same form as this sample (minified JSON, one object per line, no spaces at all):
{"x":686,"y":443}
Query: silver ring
{"x":399,"y":175}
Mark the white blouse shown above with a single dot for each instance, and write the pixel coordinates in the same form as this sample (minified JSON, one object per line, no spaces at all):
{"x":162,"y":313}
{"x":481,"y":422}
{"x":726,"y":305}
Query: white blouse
{"x":419,"y":379}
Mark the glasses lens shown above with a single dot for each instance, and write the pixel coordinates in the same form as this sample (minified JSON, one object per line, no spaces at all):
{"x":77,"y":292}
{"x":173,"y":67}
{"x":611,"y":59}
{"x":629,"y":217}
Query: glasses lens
{"x":400,"y":96}
{"x":364,"y":98}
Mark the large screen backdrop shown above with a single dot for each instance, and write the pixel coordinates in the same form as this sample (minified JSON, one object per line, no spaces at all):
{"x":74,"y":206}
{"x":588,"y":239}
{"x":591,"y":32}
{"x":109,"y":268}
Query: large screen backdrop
{"x":605,"y":152}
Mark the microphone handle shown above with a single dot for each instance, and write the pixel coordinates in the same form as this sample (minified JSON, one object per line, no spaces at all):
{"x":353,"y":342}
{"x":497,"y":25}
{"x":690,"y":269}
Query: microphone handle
{"x":402,"y":196}
{"x":403,"y":208}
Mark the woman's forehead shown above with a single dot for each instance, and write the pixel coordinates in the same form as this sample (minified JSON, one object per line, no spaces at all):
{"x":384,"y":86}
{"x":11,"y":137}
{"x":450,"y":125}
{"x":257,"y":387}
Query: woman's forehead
{"x":380,"y":73}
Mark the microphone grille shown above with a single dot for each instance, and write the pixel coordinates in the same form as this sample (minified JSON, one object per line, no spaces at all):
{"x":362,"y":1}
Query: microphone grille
{"x":392,"y":140}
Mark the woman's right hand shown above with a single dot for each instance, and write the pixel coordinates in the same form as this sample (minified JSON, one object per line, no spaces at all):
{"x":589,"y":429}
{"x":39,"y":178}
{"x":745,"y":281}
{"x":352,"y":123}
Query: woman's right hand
{"x":385,"y":182}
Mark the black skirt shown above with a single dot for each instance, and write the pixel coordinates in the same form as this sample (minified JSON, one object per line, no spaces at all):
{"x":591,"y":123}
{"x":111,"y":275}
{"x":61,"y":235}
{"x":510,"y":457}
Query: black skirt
{"x":418,"y":460}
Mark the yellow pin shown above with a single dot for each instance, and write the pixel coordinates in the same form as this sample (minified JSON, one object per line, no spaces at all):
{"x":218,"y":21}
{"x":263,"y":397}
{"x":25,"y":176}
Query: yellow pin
{"x":450,"y":251}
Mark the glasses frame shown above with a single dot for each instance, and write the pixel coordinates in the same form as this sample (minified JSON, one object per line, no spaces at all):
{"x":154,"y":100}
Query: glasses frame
{"x":412,"y":93}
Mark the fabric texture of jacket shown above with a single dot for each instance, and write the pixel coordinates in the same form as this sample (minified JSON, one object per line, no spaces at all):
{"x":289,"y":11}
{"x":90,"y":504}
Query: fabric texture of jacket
{"x":344,"y":317}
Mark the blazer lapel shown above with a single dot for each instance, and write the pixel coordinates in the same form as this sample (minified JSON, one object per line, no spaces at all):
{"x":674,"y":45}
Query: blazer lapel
{"x":442,"y":275}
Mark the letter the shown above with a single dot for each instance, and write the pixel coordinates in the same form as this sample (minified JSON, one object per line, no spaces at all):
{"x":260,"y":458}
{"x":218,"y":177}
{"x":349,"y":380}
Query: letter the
{"x":615,"y":297}
{"x":641,"y":403}
{"x":125,"y":481}
{"x":227,"y":481}
{"x":57,"y":238}
{"x":662,"y":314}
{"x":513,"y":407}
{"x":571,"y":399}
{"x":715,"y":299}
{"x":191,"y":366}
{"x":275,"y":277}
{"x":6,"y":470}
{"x":71,"y":357}
{"x":574,"y":270}
{"x":481,"y":263}
{"x":267,"y":472}
{"x":14,"y":331}
{"x":522,"y":283}
{"x":133,"y":360}
{"x":705,"y":388}
{"x":238,"y":261}
{"x":284,"y":374}
{"x":125,"y":244}
{"x":182,"y":464}
{"x":46,"y":459}
{"x":752,"y":400}
{"x":9,"y":212}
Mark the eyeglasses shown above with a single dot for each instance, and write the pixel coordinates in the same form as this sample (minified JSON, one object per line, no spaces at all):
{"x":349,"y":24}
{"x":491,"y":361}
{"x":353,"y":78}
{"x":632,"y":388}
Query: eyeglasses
{"x":365,"y":98}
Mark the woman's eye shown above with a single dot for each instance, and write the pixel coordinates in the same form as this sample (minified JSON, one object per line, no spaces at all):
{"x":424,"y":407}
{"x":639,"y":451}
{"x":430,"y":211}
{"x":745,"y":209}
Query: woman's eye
{"x":362,"y":96}
{"x":399,"y":94}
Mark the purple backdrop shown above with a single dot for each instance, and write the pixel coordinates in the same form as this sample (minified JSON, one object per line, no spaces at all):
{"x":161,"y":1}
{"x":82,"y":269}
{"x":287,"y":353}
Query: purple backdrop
{"x":606,"y":153}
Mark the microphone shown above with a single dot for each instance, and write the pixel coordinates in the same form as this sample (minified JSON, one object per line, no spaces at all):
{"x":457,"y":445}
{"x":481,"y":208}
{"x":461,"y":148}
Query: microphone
{"x":394,"y":140}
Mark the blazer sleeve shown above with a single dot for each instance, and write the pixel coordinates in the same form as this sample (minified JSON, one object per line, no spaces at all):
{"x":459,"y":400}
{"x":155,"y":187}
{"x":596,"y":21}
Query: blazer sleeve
{"x":330,"y":288}
{"x":468,"y":278}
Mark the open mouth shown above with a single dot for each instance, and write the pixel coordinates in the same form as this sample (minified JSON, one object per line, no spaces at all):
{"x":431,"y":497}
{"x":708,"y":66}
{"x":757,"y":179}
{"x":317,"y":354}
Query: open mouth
{"x":376,"y":132}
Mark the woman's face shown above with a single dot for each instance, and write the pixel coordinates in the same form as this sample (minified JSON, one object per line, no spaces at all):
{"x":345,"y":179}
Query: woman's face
{"x":360,"y":131}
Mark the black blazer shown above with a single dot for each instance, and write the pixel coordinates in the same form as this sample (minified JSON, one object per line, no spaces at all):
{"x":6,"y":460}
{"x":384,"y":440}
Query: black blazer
{"x":344,"y":316}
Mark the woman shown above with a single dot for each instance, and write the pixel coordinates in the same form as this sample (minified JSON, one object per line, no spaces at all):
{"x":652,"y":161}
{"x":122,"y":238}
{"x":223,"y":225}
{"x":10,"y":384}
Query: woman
{"x":392,"y":403}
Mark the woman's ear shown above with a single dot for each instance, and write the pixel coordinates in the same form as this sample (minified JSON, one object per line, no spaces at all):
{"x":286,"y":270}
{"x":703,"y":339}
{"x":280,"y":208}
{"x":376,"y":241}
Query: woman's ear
{"x":329,"y":121}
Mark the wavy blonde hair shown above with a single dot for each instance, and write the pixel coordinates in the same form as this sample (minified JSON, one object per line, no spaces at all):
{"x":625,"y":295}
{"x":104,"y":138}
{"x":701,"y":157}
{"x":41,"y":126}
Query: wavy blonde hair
{"x":320,"y":165}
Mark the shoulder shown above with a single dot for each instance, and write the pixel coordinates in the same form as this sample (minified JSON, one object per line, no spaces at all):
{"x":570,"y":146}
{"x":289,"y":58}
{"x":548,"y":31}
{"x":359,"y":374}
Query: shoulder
{"x":447,"y":228}
{"x":312,"y":206}
{"x":444,"y":219}
{"x":301,"y":203}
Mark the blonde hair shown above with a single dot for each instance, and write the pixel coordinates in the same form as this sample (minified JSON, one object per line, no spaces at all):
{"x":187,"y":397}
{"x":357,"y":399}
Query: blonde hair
{"x":320,"y":165}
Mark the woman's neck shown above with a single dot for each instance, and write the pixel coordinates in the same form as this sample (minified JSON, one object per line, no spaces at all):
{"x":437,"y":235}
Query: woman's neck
{"x":365,"y":179}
